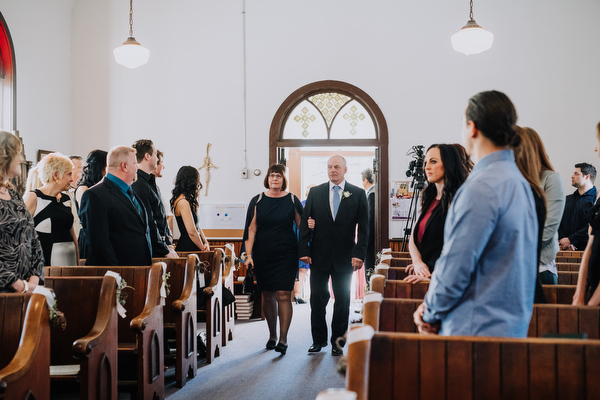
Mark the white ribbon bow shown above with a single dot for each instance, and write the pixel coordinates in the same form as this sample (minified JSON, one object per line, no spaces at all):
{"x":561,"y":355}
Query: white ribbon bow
{"x":163,"y":286}
{"x":120,"y":309}
{"x":49,"y":294}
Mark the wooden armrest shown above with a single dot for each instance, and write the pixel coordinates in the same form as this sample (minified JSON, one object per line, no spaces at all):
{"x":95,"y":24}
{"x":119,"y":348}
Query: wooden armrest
{"x":139,"y":323}
{"x":108,"y":301}
{"x":188,"y":286}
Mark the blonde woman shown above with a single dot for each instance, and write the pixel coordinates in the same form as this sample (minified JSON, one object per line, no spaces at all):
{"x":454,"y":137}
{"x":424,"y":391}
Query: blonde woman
{"x":50,"y":206}
{"x":21,"y":260}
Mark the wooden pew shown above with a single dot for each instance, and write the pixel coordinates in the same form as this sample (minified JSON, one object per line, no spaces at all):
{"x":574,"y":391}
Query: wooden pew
{"x":411,"y":366}
{"x":179,"y":317}
{"x":396,"y":315}
{"x":88,"y":345}
{"x":568,"y":277}
{"x":213,"y":294}
{"x":230,"y":263}
{"x":141,"y":357}
{"x":568,"y":266}
{"x":25,"y":349}
{"x":559,"y":294}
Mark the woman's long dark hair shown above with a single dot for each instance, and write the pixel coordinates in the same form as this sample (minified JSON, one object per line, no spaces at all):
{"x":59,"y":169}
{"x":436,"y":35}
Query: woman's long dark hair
{"x":457,"y":167}
{"x":95,"y":166}
{"x":187,"y":182}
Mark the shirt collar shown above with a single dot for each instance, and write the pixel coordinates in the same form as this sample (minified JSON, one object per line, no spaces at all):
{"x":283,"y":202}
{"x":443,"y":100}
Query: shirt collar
{"x":496,"y":156}
{"x":342,"y":184}
{"x":145,"y":176}
{"x":117,"y":181}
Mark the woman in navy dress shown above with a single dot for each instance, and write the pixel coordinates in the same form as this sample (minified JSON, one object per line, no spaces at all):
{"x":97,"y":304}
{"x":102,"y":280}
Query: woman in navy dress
{"x":272,"y":248}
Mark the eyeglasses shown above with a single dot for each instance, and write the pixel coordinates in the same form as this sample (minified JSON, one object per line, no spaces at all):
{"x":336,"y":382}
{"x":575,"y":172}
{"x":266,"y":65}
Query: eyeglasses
{"x":275,"y":176}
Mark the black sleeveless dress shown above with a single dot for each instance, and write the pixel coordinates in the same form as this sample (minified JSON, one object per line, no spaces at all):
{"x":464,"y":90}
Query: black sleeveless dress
{"x":275,"y":250}
{"x":185,"y":242}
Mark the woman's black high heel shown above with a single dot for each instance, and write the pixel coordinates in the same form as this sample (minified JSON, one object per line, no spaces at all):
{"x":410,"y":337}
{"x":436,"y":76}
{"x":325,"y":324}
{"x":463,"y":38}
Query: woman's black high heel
{"x":281,"y":348}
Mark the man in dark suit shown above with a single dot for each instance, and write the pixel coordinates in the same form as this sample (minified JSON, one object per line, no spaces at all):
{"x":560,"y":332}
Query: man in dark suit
{"x":334,"y":208}
{"x":369,"y":185}
{"x":114,"y":219}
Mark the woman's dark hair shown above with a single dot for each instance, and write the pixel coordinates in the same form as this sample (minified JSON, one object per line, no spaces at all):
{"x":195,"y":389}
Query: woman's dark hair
{"x":494,"y":115}
{"x":277,"y":169}
{"x":187,"y":182}
{"x":94,"y":169}
{"x":456,"y":171}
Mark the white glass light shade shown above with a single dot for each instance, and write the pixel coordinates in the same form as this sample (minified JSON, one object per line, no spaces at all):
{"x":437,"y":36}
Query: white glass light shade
{"x":472,"y":39}
{"x":131,"y":54}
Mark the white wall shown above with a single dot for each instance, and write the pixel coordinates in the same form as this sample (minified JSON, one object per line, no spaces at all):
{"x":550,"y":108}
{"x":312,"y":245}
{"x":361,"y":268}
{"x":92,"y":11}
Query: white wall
{"x":545,"y":57}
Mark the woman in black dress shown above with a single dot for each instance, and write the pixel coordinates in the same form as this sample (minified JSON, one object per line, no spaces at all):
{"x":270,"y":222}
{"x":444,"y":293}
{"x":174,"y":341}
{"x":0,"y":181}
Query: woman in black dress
{"x":21,"y":259}
{"x":446,"y":167}
{"x":272,"y":248}
{"x":50,"y":206}
{"x":184,"y":204}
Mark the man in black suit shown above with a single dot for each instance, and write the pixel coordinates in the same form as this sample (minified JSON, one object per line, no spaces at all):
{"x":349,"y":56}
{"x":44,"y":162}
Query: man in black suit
{"x":369,"y":185}
{"x":114,"y":219}
{"x":334,"y":208}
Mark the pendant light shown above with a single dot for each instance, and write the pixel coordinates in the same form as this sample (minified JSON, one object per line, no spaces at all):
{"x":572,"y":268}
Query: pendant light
{"x":131,"y":54}
{"x":472,"y":38}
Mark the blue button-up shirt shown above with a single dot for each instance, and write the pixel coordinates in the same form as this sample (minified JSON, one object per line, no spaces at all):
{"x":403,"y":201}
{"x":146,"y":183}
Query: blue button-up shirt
{"x":483,"y":283}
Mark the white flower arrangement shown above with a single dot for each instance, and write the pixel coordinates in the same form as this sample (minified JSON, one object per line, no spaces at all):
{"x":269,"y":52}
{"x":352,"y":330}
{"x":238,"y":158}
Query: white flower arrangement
{"x":346,"y":194}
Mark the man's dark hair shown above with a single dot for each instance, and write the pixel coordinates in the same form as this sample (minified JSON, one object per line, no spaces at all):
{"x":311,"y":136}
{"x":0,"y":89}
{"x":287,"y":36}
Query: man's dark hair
{"x":495,"y":116}
{"x":368,"y":175}
{"x":587,"y":169}
{"x":142,"y":147}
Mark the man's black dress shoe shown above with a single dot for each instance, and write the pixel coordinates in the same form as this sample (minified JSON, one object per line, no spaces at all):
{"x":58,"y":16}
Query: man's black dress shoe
{"x":337,"y":351}
{"x":316,"y":347}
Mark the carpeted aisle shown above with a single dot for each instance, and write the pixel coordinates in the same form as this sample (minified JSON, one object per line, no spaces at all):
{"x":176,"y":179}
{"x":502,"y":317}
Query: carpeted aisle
{"x":246,"y":370}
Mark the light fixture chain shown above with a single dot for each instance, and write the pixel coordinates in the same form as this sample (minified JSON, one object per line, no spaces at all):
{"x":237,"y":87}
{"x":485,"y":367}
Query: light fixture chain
{"x":131,"y":17}
{"x":470,"y":13}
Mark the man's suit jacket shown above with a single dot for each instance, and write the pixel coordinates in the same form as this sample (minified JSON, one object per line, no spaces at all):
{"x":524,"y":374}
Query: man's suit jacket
{"x":115,"y":233}
{"x":332,"y":243}
{"x":370,"y":258}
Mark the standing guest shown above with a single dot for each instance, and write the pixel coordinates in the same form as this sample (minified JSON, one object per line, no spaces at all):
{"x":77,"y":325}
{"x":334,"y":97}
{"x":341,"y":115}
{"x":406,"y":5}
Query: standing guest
{"x":159,"y":164}
{"x":92,"y":173}
{"x":484,"y":280}
{"x":272,"y":248}
{"x":145,"y":188}
{"x":113,"y":218}
{"x":589,"y":270}
{"x":21,"y":258}
{"x":573,"y":229}
{"x":166,"y":233}
{"x":369,"y":186}
{"x":77,"y":169}
{"x":332,"y":251}
{"x":554,"y":192}
{"x":184,"y":204}
{"x":446,"y":171}
{"x":50,"y":206}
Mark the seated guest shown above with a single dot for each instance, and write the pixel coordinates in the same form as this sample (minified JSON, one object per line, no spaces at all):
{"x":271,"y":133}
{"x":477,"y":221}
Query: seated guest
{"x":555,"y":204}
{"x":50,"y":206}
{"x":446,"y":169}
{"x":113,"y":218}
{"x":21,"y":258}
{"x":573,"y":229}
{"x":145,"y":188}
{"x":92,"y":173}
{"x":589,"y":270}
{"x":484,"y":280}
{"x":184,"y":204}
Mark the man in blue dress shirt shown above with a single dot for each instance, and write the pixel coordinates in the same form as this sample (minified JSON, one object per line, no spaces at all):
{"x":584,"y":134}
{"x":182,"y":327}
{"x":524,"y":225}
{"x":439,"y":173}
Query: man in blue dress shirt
{"x":484,"y":280}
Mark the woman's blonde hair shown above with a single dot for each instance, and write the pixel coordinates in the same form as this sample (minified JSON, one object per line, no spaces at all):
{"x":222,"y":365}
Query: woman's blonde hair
{"x":10,"y":147}
{"x":53,"y":162}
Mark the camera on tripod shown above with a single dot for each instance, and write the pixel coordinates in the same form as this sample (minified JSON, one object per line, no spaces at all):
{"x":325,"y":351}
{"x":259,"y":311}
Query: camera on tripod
{"x":415,"y":167}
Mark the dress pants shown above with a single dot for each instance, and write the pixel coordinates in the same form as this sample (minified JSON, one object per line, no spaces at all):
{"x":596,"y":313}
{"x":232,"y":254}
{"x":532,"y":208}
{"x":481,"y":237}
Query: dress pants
{"x":319,"y":297}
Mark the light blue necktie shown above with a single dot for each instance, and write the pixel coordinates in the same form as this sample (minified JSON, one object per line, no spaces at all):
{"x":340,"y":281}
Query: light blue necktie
{"x":336,"y":200}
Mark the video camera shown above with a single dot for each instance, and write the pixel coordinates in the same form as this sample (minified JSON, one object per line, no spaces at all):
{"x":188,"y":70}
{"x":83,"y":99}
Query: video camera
{"x":415,"y":167}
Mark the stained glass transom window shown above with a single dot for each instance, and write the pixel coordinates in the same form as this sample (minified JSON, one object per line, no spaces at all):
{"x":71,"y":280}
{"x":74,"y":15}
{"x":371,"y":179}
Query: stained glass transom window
{"x":329,"y":116}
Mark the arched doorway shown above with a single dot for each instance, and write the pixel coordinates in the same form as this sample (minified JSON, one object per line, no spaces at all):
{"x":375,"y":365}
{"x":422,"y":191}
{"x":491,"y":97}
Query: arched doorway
{"x":315,"y":108}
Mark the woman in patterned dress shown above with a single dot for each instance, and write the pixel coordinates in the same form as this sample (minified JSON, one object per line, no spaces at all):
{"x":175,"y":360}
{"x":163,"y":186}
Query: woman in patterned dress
{"x":21,"y":260}
{"x":50,"y":206}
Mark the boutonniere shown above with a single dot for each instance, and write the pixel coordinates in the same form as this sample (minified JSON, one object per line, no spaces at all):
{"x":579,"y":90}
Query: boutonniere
{"x":346,"y":194}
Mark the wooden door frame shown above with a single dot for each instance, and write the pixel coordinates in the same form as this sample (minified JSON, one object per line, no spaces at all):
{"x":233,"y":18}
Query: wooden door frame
{"x":381,"y":142}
